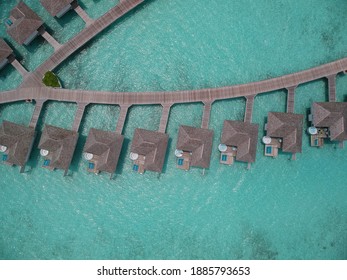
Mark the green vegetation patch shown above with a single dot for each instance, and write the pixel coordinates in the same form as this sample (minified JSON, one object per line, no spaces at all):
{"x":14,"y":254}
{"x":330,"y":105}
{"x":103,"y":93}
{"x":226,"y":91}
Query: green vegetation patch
{"x":51,"y":80}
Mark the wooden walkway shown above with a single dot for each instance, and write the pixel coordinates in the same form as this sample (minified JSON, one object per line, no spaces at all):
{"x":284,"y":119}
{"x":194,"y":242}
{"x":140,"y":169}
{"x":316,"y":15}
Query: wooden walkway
{"x":188,"y":96}
{"x":291,"y":99}
{"x":122,"y":118}
{"x":82,"y":13}
{"x":81,"y":38}
{"x":332,"y":87}
{"x":164,"y":117}
{"x":249,"y":108}
{"x":78,"y":116}
{"x":206,"y":114}
{"x":36,"y":114}
{"x":19,"y":67}
{"x":48,"y":37}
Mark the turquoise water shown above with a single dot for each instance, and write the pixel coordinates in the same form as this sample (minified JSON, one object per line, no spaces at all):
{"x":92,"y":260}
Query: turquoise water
{"x":280,"y":209}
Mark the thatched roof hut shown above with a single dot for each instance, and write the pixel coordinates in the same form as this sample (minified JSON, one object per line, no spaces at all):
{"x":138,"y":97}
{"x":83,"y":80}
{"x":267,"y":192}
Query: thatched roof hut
{"x":242,"y":135}
{"x":331,"y":115}
{"x":197,"y":141}
{"x":152,"y":145}
{"x":18,"y":140}
{"x":287,"y":126}
{"x":5,"y":53}
{"x":106,"y":145}
{"x":23,"y":24}
{"x":60,"y":143}
{"x":58,"y":8}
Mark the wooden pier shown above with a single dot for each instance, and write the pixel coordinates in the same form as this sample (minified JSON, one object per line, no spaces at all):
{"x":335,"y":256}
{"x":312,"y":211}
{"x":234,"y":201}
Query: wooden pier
{"x":36,"y":115}
{"x":249,"y":108}
{"x":332,"y":87}
{"x":48,"y":37}
{"x":164,"y":117}
{"x":174,"y":97}
{"x":82,"y":13}
{"x":78,"y":116}
{"x":291,"y":99}
{"x":122,"y":118}
{"x":206,"y":114}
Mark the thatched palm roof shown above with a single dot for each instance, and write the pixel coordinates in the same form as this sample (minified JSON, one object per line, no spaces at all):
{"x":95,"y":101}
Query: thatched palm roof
{"x":54,"y":7}
{"x":198,"y":141}
{"x":25,"y":24}
{"x":5,"y":50}
{"x":107,"y":146}
{"x":152,"y":145}
{"x":242,"y":135}
{"x":287,"y":126}
{"x":332,"y":115}
{"x":61,"y":145}
{"x":19,"y":140}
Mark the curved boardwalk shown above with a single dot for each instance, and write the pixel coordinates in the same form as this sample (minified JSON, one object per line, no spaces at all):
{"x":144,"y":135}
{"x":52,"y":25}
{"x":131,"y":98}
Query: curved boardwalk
{"x":172,"y":97}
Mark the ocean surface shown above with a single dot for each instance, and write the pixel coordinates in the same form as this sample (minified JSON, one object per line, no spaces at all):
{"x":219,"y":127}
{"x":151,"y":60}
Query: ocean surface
{"x":279,"y":209}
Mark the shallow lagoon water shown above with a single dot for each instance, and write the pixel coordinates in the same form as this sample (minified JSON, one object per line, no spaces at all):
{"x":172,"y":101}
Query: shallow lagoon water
{"x":280,"y":209}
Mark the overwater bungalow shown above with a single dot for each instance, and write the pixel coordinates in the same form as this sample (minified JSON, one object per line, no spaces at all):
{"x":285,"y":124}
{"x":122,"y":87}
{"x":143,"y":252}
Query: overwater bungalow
{"x":329,"y":120}
{"x":148,"y":150}
{"x":57,"y":147}
{"x":194,"y":147}
{"x":16,"y":142}
{"x":58,"y":8}
{"x":23,"y":24}
{"x":238,"y":141}
{"x":5,"y":53}
{"x":102,"y":150}
{"x":283,"y":131}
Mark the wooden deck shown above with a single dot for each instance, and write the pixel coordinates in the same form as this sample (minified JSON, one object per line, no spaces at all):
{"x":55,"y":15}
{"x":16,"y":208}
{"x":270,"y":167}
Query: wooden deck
{"x":82,"y":38}
{"x":332,"y":87}
{"x":122,"y":117}
{"x":19,"y":67}
{"x":291,"y":99}
{"x":249,"y":108}
{"x":82,"y":13}
{"x":206,"y":114}
{"x":36,"y":114}
{"x":164,"y":117}
{"x":78,"y":116}
{"x":48,"y":37}
{"x":173,"y":97}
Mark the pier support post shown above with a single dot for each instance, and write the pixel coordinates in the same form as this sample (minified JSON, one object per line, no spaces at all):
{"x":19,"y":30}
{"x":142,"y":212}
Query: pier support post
{"x":332,"y":88}
{"x":78,"y":116}
{"x":164,"y":117}
{"x":291,"y":99}
{"x":206,"y":114}
{"x":36,"y":114}
{"x":122,"y":117}
{"x":249,"y":108}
